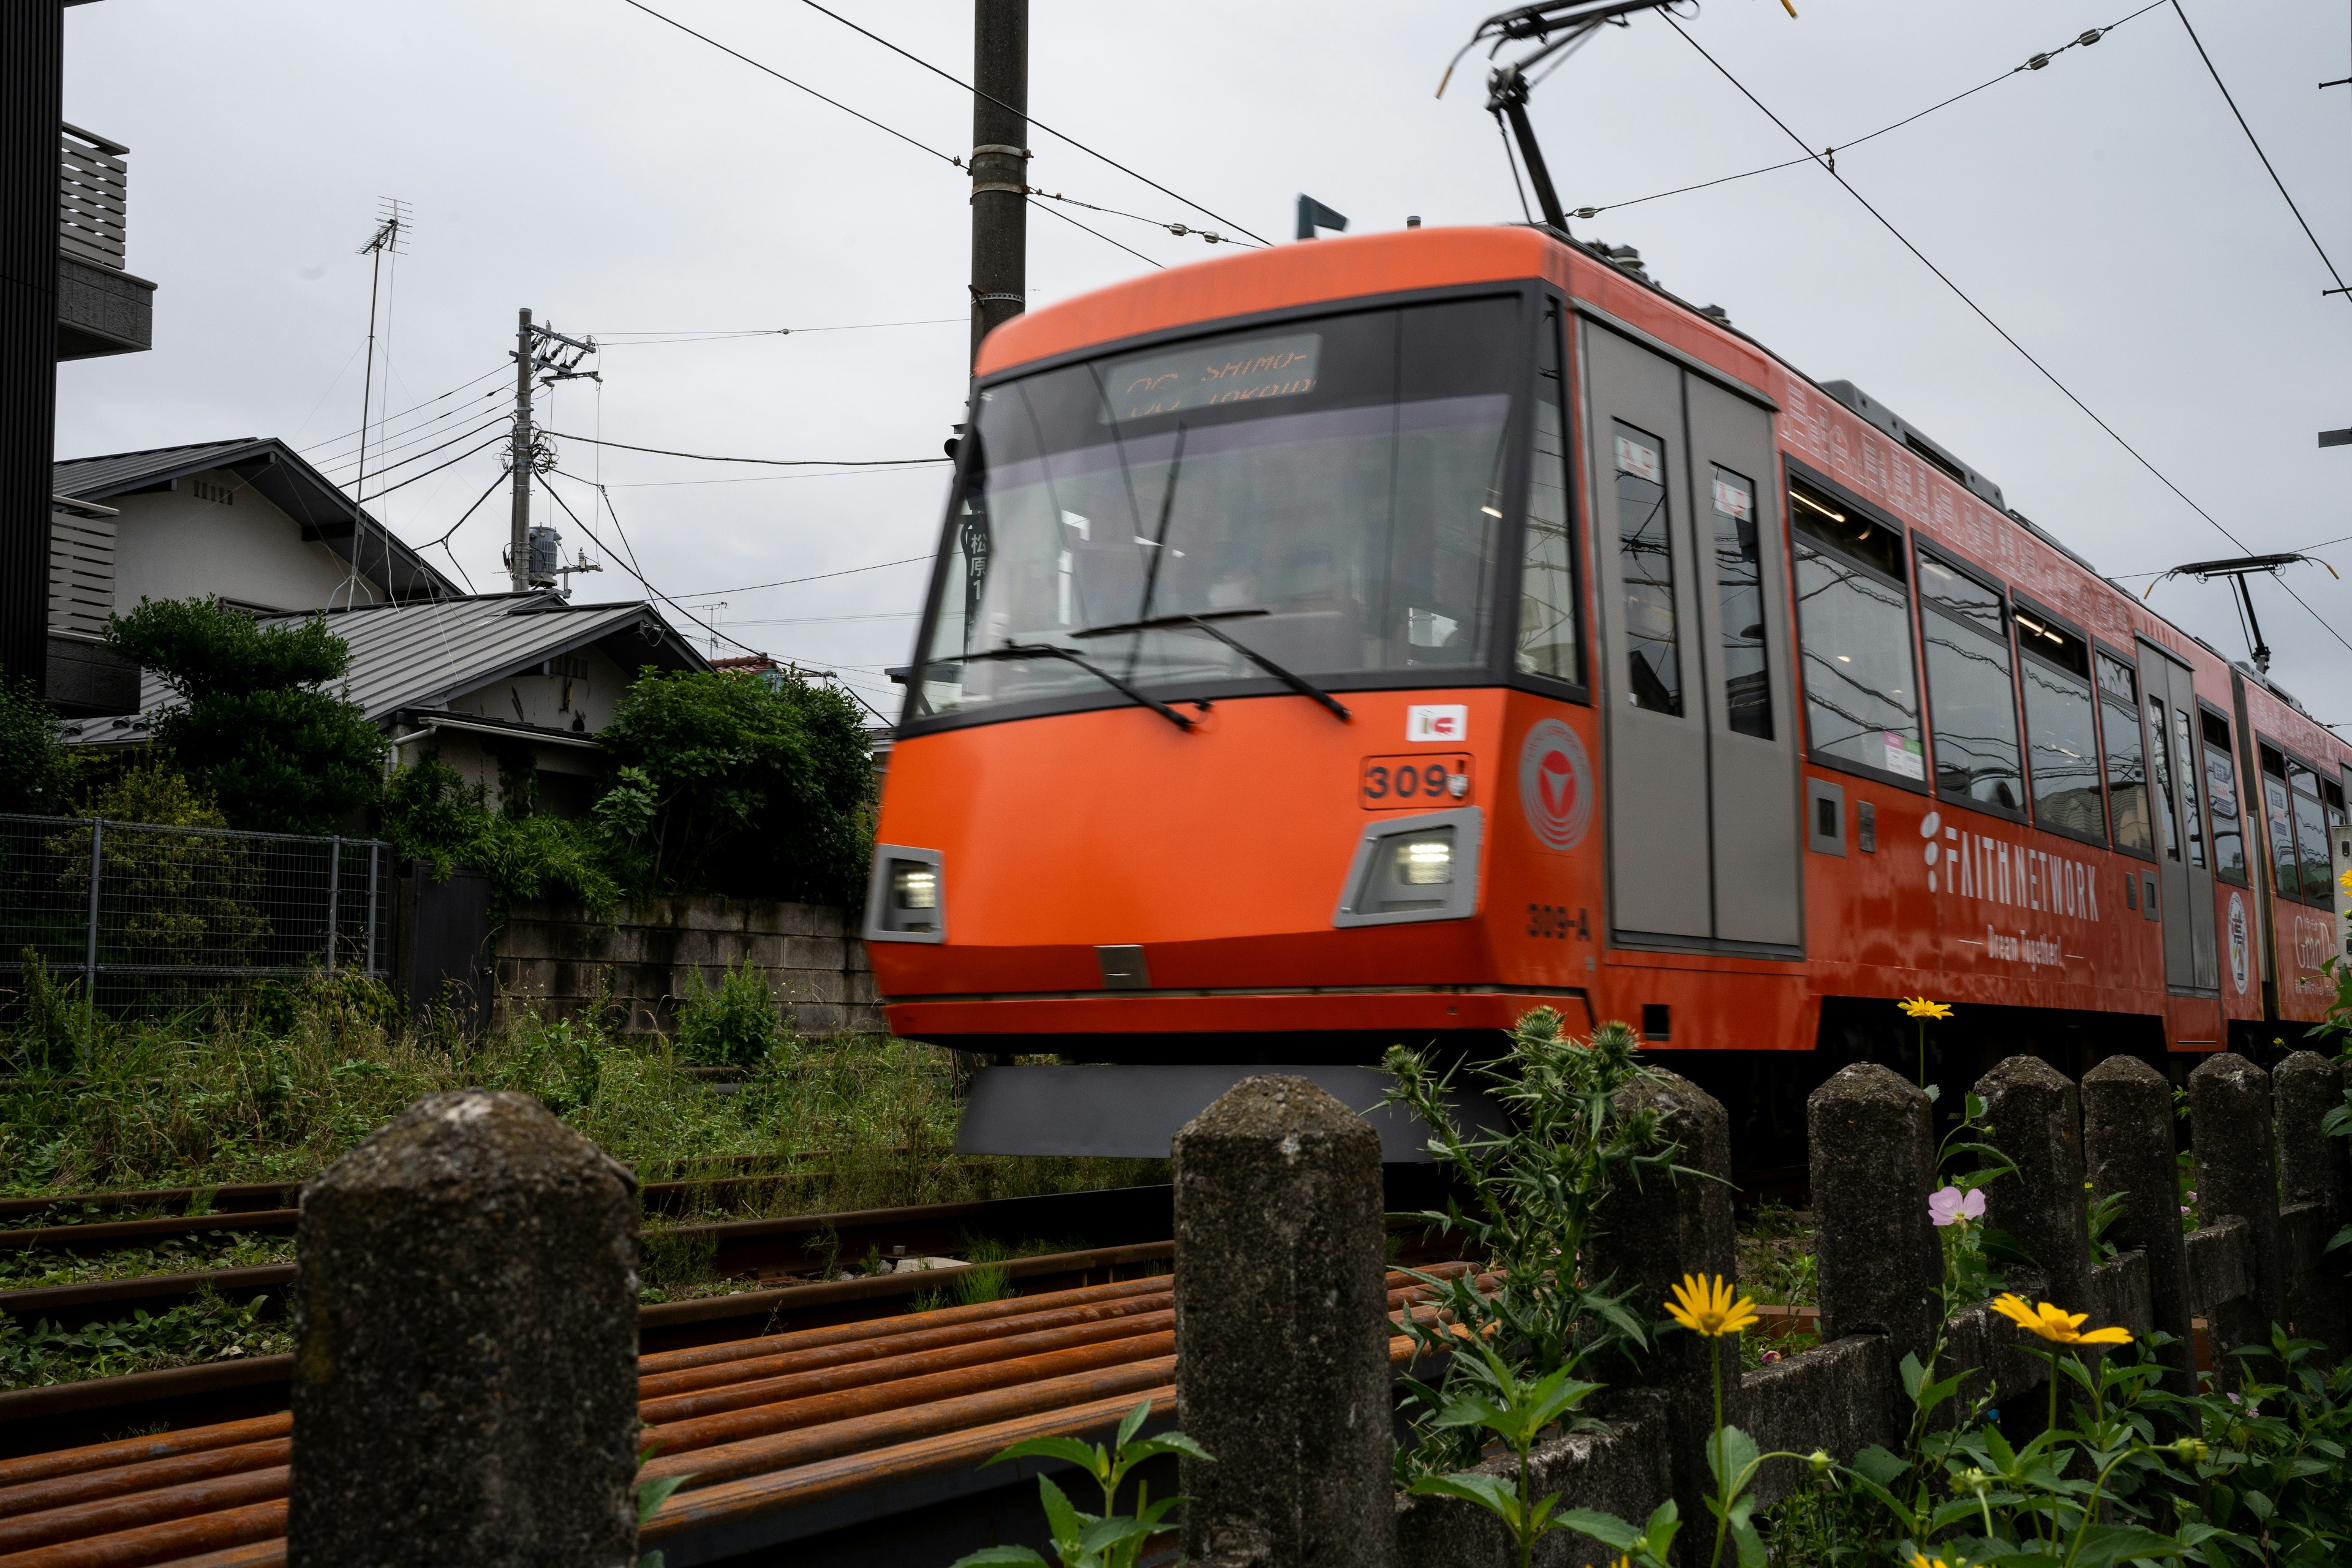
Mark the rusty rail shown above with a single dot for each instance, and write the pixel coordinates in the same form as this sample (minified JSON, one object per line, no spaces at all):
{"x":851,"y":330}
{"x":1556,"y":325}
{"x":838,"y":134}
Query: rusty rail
{"x":812,"y":1414}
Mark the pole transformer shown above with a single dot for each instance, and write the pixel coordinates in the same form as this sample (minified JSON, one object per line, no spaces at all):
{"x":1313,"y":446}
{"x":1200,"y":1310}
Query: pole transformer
{"x":520,"y":453}
{"x":1000,"y":164}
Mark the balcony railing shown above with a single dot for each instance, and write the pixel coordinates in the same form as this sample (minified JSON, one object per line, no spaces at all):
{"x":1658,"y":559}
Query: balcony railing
{"x":92,"y":182}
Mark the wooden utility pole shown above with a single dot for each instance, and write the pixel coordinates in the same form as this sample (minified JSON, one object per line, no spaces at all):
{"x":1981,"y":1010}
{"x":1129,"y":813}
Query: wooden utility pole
{"x":520,"y":455}
{"x":1000,"y":163}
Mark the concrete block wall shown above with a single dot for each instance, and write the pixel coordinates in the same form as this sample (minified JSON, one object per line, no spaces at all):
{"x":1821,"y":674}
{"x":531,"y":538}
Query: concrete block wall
{"x":642,"y":958}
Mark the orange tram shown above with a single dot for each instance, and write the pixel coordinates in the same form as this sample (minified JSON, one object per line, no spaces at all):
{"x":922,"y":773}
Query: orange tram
{"x":1368,"y":640}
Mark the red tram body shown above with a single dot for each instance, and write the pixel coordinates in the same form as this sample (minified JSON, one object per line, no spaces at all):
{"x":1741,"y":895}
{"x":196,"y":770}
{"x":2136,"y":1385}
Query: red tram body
{"x":1606,"y":796}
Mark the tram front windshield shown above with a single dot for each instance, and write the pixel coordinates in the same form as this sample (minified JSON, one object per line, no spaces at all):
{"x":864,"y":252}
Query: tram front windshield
{"x":1337,"y":481}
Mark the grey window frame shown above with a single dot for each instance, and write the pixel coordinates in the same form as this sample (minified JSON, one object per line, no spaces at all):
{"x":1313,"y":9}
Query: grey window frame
{"x":1518,"y":484}
{"x":2106,"y":706}
{"x":2244,"y":879}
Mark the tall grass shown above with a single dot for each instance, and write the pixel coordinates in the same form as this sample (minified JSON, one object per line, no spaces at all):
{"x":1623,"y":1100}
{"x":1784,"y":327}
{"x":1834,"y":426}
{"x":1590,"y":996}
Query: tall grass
{"x":275,"y":1086}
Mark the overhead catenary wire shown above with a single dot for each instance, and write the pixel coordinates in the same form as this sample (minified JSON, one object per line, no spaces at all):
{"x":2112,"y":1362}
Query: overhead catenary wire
{"x":770,"y":462}
{"x":1032,"y":119}
{"x":1180,"y":231}
{"x":2255,"y":143}
{"x":1981,"y":314}
{"x":716,"y":335}
{"x":815,"y":577}
{"x":2034,"y":63}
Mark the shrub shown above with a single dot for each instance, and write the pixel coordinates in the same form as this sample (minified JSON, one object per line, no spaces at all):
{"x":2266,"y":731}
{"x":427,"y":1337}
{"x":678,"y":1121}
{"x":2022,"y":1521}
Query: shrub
{"x":32,"y":761}
{"x":732,"y":1024}
{"x":252,"y":727}
{"x":755,"y":787}
{"x":432,"y":814}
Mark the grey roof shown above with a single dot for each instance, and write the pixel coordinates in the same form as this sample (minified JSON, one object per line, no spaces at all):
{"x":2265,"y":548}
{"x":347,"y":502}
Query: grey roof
{"x":423,"y":654}
{"x":281,"y":475}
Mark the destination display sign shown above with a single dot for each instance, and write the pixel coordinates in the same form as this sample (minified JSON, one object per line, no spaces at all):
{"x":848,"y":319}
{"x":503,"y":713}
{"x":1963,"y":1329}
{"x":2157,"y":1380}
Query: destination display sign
{"x":1245,"y":369}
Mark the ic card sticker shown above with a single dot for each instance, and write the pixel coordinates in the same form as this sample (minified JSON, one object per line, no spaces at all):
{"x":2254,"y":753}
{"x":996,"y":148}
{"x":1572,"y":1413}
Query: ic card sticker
{"x":1445,"y":722}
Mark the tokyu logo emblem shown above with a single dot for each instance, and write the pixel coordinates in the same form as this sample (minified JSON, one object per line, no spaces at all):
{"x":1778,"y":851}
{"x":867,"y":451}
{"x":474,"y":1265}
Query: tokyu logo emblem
{"x":1555,"y":784}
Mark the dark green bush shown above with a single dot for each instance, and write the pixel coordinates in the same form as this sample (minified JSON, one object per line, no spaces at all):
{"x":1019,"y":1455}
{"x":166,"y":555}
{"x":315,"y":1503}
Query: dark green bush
{"x":252,"y":728}
{"x":32,"y":761}
{"x":728,"y":783}
{"x":432,"y":814}
{"x":732,"y":1024}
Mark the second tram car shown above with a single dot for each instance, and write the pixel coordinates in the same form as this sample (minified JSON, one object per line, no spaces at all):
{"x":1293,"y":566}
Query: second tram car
{"x":1371,"y":639}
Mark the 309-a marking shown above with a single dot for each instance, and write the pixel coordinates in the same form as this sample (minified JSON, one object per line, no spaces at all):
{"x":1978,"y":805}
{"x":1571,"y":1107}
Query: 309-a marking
{"x":1556,"y":923}
{"x":1424,"y":783}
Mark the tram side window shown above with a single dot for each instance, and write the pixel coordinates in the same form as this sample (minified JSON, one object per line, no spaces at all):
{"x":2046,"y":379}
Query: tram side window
{"x":1548,"y":644}
{"x":2221,"y":800}
{"x":1972,"y":695}
{"x":2061,"y":739}
{"x":1853,"y":623}
{"x":1645,"y":561}
{"x":2126,"y":758}
{"x":2190,"y":813}
{"x":2310,"y":832}
{"x":2286,"y":872}
{"x":1739,"y":589}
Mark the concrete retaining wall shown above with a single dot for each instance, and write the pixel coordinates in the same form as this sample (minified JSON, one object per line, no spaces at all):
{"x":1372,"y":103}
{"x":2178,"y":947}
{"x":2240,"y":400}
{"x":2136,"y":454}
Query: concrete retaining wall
{"x":641,"y":957}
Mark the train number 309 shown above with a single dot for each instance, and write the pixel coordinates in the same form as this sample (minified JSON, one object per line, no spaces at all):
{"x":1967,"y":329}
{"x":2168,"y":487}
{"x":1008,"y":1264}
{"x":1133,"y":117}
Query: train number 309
{"x":1426,"y":782}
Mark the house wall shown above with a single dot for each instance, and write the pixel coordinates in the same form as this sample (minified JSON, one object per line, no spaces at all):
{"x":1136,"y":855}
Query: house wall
{"x":175,"y":544}
{"x":578,"y":694}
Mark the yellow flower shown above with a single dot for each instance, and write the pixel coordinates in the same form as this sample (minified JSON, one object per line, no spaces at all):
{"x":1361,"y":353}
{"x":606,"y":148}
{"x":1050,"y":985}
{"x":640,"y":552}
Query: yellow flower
{"x":2057,"y":1326}
{"x":1921,"y":1559}
{"x":1920,"y":1008}
{"x":1705,"y":1306}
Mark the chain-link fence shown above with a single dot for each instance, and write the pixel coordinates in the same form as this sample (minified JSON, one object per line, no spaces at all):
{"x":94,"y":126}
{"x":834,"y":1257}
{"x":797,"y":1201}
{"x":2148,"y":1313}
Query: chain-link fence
{"x":147,"y":916}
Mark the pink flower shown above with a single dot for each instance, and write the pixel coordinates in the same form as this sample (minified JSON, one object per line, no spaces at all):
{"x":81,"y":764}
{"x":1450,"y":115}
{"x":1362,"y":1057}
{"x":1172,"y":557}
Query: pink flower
{"x":1771,"y":1356}
{"x":1950,"y":1205}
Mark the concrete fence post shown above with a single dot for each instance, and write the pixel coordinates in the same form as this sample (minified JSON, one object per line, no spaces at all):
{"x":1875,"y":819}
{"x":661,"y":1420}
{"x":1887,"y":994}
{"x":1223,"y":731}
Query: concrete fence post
{"x":1873,"y":1164}
{"x":2237,"y":1174}
{"x":465,"y":1338}
{"x":2034,"y":1117}
{"x":1647,"y":1237}
{"x":2128,"y":1142}
{"x":2313,"y":1170}
{"x":1282,"y":1330}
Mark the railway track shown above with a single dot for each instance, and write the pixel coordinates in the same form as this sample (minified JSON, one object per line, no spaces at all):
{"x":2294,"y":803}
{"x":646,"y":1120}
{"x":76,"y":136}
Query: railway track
{"x":789,"y":1436}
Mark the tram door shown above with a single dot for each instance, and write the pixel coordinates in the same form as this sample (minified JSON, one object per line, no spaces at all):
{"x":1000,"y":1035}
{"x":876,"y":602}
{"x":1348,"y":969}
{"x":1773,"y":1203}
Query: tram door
{"x":2184,"y":859}
{"x":1700,"y":728}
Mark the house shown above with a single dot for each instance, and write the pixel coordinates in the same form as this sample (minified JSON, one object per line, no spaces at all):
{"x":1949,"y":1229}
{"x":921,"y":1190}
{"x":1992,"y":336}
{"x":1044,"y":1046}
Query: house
{"x":508,"y":688}
{"x":247,"y":522}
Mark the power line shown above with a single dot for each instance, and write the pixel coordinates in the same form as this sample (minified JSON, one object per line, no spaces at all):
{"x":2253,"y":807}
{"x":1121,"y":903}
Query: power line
{"x":348,"y":435}
{"x":1098,"y":234}
{"x":428,"y":451}
{"x":760,"y":478}
{"x":2257,"y":146}
{"x":1040,"y":124}
{"x":691,"y":334}
{"x":2036,"y":63}
{"x":436,"y":468}
{"x":640,"y":576}
{"x":771,"y":462}
{"x":2047,"y":374}
{"x":819,"y":577}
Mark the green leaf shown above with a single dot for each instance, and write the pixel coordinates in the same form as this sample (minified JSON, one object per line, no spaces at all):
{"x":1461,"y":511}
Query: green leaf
{"x":1134,"y":1421}
{"x":1001,"y":1557}
{"x":1061,"y":1517}
{"x":1492,"y":1493}
{"x":1166,"y":1443}
{"x":2103,"y":1545}
{"x":1935,"y":1092}
{"x":1913,"y":1375}
{"x":1088,"y":1457}
{"x":1750,"y":1544}
{"x":1730,"y":1457}
{"x":1105,"y":1533}
{"x":1879,"y":1465}
{"x":652,"y":1494}
{"x":1604,"y":1528}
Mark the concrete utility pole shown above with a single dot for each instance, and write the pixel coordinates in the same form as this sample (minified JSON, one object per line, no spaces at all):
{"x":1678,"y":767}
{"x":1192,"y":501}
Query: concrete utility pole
{"x":520,"y":455}
{"x":1000,"y":163}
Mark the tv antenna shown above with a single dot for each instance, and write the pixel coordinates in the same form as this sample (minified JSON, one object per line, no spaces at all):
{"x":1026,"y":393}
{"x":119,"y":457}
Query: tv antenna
{"x":2237,"y":569}
{"x":391,"y":237}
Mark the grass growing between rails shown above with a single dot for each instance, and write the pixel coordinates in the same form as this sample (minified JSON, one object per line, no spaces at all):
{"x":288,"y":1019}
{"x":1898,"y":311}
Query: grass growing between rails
{"x":277,"y":1087}
{"x":210,"y":1328}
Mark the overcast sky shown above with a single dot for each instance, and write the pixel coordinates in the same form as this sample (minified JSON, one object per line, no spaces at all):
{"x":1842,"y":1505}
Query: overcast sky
{"x":620,"y":177}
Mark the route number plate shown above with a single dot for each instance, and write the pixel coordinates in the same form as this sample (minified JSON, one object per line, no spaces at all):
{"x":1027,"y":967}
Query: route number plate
{"x":1422,"y":782}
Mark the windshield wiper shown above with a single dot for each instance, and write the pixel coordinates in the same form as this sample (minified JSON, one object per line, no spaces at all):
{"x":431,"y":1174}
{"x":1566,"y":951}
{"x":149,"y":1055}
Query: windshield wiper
{"x":1298,"y":683}
{"x":1052,"y":650}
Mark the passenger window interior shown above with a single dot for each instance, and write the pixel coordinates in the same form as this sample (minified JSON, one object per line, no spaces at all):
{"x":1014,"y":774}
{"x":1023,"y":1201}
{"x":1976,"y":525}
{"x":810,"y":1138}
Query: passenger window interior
{"x":1963,"y":626}
{"x":1854,"y":625}
{"x":1547,"y":622}
{"x":2221,"y":801}
{"x":2061,"y":736}
{"x":2126,"y":757}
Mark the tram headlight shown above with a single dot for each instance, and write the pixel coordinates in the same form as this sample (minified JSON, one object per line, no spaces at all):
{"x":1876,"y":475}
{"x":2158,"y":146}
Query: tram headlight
{"x":1421,"y":868}
{"x":905,"y":900}
{"x":1424,"y":859}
